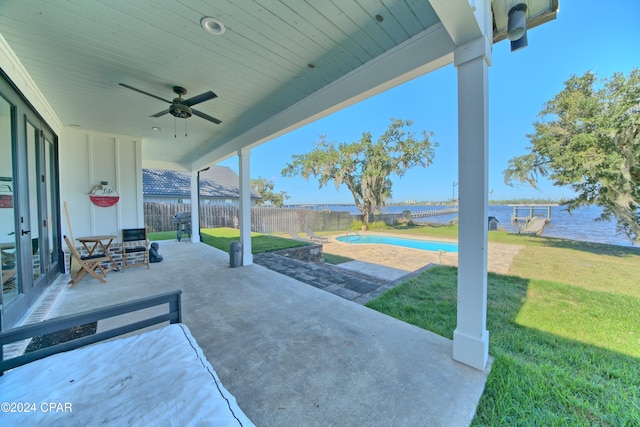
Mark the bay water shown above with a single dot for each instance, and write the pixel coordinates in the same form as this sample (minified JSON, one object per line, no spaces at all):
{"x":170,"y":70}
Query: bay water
{"x":580,"y":224}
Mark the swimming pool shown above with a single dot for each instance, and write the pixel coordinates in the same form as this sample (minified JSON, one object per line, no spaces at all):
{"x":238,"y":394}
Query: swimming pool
{"x":425,"y":245}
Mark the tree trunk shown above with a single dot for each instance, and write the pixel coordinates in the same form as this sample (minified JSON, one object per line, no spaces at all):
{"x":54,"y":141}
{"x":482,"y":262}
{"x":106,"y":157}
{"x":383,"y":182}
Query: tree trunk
{"x":366,"y":216}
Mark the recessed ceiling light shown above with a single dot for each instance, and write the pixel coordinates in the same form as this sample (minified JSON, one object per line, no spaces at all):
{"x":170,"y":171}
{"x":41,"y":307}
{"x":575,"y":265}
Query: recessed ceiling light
{"x":212,"y":26}
{"x":379,"y":18}
{"x":157,"y":129}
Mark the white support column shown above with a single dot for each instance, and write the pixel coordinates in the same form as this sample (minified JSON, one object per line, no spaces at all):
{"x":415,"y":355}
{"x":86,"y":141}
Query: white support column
{"x":245,"y":206}
{"x":195,"y":208}
{"x":471,"y":339}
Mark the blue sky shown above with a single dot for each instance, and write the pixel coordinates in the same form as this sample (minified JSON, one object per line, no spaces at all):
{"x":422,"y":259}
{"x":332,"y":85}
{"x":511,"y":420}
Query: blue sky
{"x":595,"y":35}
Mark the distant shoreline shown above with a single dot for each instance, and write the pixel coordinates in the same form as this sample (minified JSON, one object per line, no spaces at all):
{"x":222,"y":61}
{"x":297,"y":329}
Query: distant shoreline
{"x":435,"y":203}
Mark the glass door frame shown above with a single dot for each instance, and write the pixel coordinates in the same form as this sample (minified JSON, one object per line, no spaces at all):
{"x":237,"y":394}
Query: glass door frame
{"x":46,"y":168}
{"x":47,"y":262}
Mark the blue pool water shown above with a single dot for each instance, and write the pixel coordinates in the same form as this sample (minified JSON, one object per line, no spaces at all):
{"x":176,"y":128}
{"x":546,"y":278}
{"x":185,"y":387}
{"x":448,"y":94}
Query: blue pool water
{"x":425,"y":245}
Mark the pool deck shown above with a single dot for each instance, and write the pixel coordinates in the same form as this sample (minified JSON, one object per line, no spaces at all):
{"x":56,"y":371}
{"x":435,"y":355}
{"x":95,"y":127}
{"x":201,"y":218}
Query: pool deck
{"x":375,"y":268}
{"x":409,"y":260}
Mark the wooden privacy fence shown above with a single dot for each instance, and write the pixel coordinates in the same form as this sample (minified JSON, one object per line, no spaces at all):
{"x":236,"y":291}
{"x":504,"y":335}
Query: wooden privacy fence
{"x":159,"y":217}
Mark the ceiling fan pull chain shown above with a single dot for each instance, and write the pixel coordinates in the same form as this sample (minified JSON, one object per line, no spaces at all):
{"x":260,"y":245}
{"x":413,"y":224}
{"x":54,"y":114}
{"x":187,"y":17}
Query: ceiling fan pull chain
{"x":175,"y":131}
{"x":185,"y":128}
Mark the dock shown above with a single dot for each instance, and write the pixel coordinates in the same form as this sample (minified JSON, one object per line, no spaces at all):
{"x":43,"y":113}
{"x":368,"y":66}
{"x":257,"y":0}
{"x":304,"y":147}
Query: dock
{"x":532,"y":218}
{"x":534,"y":226}
{"x":435,"y":212}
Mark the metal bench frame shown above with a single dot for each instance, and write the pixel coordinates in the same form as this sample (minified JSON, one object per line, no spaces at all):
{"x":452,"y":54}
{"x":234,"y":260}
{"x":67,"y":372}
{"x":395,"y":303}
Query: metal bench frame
{"x":174,"y":315}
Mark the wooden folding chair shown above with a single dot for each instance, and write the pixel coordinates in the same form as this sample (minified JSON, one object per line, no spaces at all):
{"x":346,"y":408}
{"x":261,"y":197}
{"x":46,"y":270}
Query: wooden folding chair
{"x":88,"y":264}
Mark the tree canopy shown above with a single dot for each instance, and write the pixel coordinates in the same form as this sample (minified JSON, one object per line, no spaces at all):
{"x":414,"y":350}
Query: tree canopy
{"x":265,"y":188}
{"x":588,"y":138}
{"x":365,"y":166}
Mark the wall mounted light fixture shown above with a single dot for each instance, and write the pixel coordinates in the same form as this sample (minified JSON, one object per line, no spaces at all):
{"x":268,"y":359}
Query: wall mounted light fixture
{"x":517,"y":27}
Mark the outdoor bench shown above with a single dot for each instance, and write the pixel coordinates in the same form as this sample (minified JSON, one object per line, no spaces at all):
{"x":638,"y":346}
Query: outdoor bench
{"x":158,"y":377}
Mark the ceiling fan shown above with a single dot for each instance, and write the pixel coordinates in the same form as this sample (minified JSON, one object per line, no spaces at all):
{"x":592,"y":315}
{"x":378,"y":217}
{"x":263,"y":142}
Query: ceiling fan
{"x":179,"y":107}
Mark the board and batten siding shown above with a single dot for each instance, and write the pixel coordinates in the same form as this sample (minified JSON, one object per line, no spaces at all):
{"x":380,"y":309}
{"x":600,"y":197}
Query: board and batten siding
{"x":87,"y":158}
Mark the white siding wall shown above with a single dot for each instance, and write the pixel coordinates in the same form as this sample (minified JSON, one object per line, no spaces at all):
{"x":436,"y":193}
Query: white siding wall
{"x":88,"y":157}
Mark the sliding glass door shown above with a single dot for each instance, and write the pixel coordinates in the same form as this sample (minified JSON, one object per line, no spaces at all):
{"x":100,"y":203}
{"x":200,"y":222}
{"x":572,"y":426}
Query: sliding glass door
{"x":50,"y":203}
{"x":29,"y":223}
{"x":41,"y":180}
{"x":8,"y":244}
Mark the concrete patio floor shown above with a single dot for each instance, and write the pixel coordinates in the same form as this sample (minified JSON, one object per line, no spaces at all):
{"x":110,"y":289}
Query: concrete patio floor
{"x":295,"y":355}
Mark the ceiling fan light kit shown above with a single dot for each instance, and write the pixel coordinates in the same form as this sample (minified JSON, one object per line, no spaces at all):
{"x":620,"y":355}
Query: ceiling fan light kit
{"x":178,"y":108}
{"x":180,"y":111}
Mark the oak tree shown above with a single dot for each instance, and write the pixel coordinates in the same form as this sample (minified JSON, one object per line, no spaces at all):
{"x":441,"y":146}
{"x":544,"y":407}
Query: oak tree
{"x":266,"y":189}
{"x":365,"y":166}
{"x":587,"y":137}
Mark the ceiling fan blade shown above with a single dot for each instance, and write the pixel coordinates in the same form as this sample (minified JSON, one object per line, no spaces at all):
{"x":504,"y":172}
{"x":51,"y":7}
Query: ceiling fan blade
{"x":144,"y":93}
{"x":161,"y":113}
{"x":205,"y":116}
{"x":199,"y":98}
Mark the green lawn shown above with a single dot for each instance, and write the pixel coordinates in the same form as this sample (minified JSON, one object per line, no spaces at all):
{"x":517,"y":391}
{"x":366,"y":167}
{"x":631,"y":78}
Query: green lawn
{"x":564,"y":330}
{"x":162,"y":235}
{"x":335,"y":259}
{"x":594,"y":266}
{"x":221,"y":238}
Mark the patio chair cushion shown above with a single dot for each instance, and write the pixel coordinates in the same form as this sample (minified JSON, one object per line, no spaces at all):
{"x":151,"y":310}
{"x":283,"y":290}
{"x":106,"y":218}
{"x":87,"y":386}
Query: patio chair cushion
{"x":135,"y":236}
{"x":94,"y":256}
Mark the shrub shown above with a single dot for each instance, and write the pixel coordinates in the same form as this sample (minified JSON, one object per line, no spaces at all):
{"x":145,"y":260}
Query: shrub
{"x":377,"y":225}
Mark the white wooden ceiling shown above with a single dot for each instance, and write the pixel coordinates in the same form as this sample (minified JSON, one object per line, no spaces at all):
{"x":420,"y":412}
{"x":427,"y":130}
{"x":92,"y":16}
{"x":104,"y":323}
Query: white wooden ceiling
{"x":273,"y":55}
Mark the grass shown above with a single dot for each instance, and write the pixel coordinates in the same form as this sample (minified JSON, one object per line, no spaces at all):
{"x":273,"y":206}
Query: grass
{"x":221,"y":238}
{"x":604,"y":268}
{"x":594,"y":266}
{"x":564,"y":330}
{"x":162,"y":235}
{"x":335,"y":259}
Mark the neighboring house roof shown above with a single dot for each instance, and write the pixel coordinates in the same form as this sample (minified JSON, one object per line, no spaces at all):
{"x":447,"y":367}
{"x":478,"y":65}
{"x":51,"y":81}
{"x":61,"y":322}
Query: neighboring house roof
{"x":217,"y":181}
